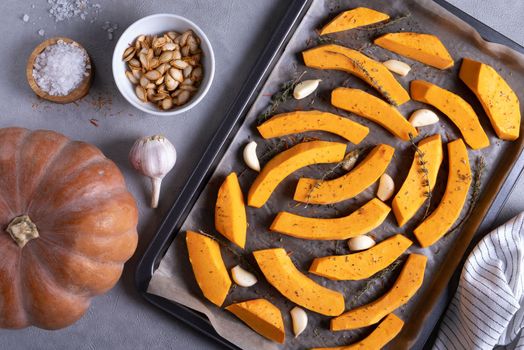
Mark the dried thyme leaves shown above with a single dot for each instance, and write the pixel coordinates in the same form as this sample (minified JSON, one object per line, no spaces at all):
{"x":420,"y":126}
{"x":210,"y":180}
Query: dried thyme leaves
{"x":425,"y":173}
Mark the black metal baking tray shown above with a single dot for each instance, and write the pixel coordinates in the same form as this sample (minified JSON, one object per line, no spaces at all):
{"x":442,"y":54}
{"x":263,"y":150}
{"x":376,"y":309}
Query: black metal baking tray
{"x":221,"y":140}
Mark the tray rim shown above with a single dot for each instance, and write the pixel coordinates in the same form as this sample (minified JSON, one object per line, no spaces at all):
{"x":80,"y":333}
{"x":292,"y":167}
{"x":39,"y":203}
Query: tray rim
{"x":228,"y":128}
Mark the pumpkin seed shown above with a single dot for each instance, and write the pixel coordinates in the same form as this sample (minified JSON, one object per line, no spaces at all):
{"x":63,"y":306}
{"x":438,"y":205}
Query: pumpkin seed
{"x":187,"y":71}
{"x":150,"y":93}
{"x":167,"y":103}
{"x":134,"y":63}
{"x":176,"y":54}
{"x":179,"y":64}
{"x":172,"y":35}
{"x":141,"y":93}
{"x":188,"y":88}
{"x":185,"y":51}
{"x":169,"y":47}
{"x":171,"y":83}
{"x":166,"y":56}
{"x":153,"y":75}
{"x":176,"y":74}
{"x":129,"y":51}
{"x":182,"y":98}
{"x":160,"y":80}
{"x":144,"y":82}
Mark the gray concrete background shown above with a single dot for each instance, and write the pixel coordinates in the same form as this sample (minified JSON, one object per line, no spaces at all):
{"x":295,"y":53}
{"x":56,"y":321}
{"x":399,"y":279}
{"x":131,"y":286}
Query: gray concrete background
{"x":238,"y":30}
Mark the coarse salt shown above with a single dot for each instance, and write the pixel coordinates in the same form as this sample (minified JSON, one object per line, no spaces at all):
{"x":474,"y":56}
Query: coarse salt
{"x":60,"y":68}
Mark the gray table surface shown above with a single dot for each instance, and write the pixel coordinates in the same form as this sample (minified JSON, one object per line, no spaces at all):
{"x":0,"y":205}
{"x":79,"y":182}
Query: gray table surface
{"x":238,"y":30}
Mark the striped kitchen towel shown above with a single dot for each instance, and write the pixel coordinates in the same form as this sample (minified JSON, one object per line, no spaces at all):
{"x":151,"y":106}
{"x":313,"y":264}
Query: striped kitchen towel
{"x":486,"y":310}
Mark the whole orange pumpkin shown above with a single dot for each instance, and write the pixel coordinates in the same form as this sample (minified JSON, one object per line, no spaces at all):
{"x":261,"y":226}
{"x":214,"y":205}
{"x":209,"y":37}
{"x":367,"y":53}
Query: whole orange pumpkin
{"x":67,"y":225}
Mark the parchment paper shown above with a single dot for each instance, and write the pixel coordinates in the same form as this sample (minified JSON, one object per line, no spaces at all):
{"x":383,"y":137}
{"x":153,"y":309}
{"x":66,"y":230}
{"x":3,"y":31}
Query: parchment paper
{"x":174,"y":278}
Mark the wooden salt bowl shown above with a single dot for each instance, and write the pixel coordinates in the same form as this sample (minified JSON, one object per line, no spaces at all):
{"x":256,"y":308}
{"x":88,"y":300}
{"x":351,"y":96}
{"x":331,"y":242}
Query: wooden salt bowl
{"x":80,"y":91}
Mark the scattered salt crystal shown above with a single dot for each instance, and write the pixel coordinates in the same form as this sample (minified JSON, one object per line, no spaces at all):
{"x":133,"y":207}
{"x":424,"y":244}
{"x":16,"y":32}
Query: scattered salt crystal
{"x":60,"y":68}
{"x":25,"y":17}
{"x":41,"y":32}
{"x":66,"y":9}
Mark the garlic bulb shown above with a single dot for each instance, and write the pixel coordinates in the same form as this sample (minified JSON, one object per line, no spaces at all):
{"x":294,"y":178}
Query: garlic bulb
{"x":305,"y":88}
{"x":154,"y":157}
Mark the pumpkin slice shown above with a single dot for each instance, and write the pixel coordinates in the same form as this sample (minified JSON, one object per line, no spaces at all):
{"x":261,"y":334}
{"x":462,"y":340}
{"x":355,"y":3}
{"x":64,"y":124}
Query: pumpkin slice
{"x":455,"y":107}
{"x":349,"y":185}
{"x":373,"y":108}
{"x":361,"y":265}
{"x":425,"y":48}
{"x":361,"y":221}
{"x":301,"y":121}
{"x":230,"y":211}
{"x":357,"y":17}
{"x":288,"y":161}
{"x":448,"y":211}
{"x":353,"y":62}
{"x":406,"y":285}
{"x":261,"y":316}
{"x":499,"y":101}
{"x":208,"y":267}
{"x":388,"y":329}
{"x":412,"y":194}
{"x":280,"y":272}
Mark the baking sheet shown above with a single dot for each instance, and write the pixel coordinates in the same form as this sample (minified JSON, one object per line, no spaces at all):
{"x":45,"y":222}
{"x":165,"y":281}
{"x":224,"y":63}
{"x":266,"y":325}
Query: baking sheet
{"x":174,"y":279}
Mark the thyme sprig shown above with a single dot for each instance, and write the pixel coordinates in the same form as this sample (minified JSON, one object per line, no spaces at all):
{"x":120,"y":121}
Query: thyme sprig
{"x":386,"y":24}
{"x":422,"y":162}
{"x":326,"y":40}
{"x":476,"y":185}
{"x":374,"y":281}
{"x":347,"y":163}
{"x":281,"y":96}
{"x":360,"y":67}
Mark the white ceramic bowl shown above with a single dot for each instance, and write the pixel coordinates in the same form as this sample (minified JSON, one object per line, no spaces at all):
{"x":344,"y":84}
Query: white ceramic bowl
{"x":157,"y":24}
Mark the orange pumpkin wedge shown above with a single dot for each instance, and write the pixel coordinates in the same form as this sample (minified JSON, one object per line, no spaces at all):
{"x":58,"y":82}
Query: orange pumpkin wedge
{"x":209,"y":269}
{"x":413,"y":192}
{"x":302,"y":121}
{"x":349,"y":185}
{"x":425,"y":48}
{"x":230,"y":211}
{"x":353,"y":62}
{"x":387,"y":329}
{"x":361,"y":221}
{"x":406,"y":285}
{"x":280,"y":272}
{"x":361,"y":265}
{"x":357,"y":17}
{"x":261,"y":316}
{"x":373,"y":108}
{"x":455,"y":107}
{"x":499,"y":101}
{"x":288,"y":161}
{"x":450,"y":207}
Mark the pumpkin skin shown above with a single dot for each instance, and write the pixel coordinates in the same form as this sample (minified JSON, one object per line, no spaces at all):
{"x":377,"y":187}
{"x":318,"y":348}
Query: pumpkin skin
{"x":86,"y":220}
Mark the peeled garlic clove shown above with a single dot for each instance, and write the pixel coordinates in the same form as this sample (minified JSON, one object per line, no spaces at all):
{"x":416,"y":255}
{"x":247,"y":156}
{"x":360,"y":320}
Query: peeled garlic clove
{"x":423,"y":117}
{"x":398,"y":67}
{"x":305,"y":88}
{"x":386,"y":187}
{"x":250,"y":156}
{"x":299,"y":318}
{"x":359,"y":243}
{"x":242,"y":277}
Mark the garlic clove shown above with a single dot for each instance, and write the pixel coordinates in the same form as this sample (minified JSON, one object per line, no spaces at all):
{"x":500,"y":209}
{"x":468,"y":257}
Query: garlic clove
{"x":350,"y":159}
{"x":359,"y":243}
{"x":423,"y":117}
{"x":299,"y":318}
{"x":153,"y":156}
{"x":243,"y":277}
{"x":305,"y":88}
{"x":398,"y":67}
{"x":386,"y":187}
{"x":250,"y":156}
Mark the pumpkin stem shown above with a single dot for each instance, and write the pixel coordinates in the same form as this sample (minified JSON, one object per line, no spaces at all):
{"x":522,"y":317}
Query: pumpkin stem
{"x":22,"y":230}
